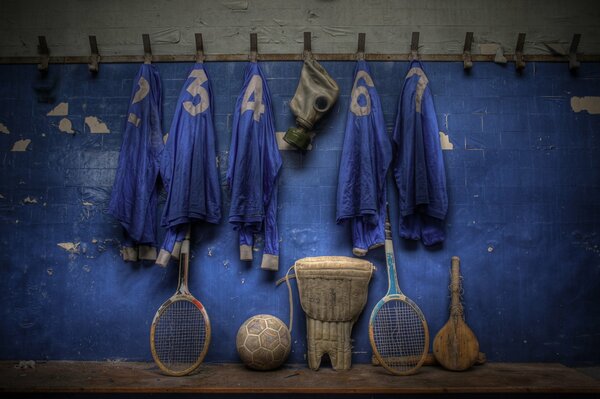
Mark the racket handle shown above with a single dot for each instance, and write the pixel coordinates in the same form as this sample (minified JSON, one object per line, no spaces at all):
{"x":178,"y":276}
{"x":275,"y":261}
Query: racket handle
{"x":388,"y":226}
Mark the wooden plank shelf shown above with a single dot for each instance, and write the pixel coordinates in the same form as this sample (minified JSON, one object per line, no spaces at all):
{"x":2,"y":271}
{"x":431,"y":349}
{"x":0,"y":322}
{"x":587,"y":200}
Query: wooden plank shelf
{"x":67,"y":377}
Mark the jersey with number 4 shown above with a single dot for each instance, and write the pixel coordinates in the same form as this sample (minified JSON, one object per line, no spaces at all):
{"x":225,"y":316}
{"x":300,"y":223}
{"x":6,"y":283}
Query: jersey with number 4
{"x":254,"y":163}
{"x":366,"y":156}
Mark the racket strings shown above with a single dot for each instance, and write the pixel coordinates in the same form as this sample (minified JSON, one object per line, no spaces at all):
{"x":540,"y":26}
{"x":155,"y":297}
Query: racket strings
{"x":180,"y":335}
{"x":399,"y":335}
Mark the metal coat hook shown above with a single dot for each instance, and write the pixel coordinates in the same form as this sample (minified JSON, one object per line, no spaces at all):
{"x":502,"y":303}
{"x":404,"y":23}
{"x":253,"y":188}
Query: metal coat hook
{"x":44,"y":54}
{"x":414,"y":47}
{"x":307,"y":45}
{"x":199,"y":48}
{"x":253,"y":47}
{"x":95,"y":55}
{"x":360,"y":51}
{"x":147,"y":49}
{"x":467,"y":60}
{"x":573,"y":63}
{"x":519,"y":61}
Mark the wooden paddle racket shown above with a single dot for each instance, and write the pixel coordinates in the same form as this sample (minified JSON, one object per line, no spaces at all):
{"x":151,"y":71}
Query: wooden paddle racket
{"x":397,"y":328}
{"x":180,"y":332}
{"x":455,"y":346}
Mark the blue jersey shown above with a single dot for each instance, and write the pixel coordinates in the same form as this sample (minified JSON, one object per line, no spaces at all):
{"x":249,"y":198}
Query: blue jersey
{"x":254,"y":163}
{"x":419,"y":164}
{"x":190,"y":162}
{"x":135,"y":190}
{"x":366,"y":156}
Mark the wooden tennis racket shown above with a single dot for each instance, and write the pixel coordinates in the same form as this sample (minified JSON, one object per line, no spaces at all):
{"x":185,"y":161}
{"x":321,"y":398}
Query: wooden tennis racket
{"x":455,"y":346}
{"x":397,"y":329}
{"x":180,"y":332}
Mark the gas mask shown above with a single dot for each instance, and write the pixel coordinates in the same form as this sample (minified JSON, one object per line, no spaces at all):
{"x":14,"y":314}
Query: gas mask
{"x":315,"y":95}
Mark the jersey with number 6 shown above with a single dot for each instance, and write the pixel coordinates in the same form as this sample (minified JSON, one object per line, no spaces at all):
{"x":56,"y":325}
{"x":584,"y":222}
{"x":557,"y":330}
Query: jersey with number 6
{"x":366,"y":156}
{"x":254,"y":163}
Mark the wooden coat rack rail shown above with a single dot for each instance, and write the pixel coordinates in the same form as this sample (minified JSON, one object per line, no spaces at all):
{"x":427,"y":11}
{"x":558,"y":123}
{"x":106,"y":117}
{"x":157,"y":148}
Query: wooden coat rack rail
{"x":519,"y":57}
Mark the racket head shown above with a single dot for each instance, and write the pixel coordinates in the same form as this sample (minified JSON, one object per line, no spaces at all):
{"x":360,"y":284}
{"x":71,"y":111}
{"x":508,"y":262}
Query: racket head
{"x":180,"y":335}
{"x":399,"y":334}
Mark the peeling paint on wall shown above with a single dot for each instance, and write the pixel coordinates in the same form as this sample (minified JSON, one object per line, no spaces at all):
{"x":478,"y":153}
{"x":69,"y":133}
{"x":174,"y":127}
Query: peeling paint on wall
{"x":30,"y":200}
{"x":61,"y":109}
{"x":589,"y":104}
{"x":96,"y":125}
{"x":4,"y":129}
{"x":445,"y":142}
{"x":66,"y":126}
{"x":21,"y":145}
{"x":71,"y":247}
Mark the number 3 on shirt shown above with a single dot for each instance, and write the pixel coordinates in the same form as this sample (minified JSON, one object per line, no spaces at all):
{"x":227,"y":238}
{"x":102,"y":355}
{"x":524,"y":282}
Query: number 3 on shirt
{"x":195,"y":88}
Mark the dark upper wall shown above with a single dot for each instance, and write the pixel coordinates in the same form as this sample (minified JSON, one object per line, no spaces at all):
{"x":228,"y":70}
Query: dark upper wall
{"x":225,"y":25}
{"x":523,"y":180}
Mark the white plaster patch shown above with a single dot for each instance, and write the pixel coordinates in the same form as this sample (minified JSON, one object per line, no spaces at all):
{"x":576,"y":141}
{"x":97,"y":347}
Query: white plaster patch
{"x":589,"y":104}
{"x":66,"y":126}
{"x":96,"y":125}
{"x":4,"y":129}
{"x":71,"y":247}
{"x":30,"y":200}
{"x":61,"y":109}
{"x":285,"y":146}
{"x":445,"y":142}
{"x":21,"y":145}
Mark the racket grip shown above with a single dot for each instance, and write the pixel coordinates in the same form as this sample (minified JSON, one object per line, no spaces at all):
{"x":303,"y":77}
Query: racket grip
{"x":388,"y":226}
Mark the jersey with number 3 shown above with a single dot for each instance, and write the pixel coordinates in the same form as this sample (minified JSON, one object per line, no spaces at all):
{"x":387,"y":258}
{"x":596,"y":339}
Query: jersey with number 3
{"x":366,"y":156}
{"x":135,"y":191}
{"x":254,"y":163}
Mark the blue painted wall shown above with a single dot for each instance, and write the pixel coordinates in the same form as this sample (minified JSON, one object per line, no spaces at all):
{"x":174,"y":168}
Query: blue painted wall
{"x":523,"y":180}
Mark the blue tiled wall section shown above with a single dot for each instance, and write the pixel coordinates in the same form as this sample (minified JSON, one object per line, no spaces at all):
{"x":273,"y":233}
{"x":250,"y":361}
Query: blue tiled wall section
{"x":523,"y":183}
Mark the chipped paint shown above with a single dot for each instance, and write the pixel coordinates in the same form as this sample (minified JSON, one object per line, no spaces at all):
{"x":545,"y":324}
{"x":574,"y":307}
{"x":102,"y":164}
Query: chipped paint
{"x":86,"y":203}
{"x":87,"y":268}
{"x":96,"y":125}
{"x":30,"y":200}
{"x":210,"y":251}
{"x":165,"y":138}
{"x":21,"y":145}
{"x":61,"y":109}
{"x":4,"y":129}
{"x":66,"y":126}
{"x":445,"y":142}
{"x":589,"y":104}
{"x":50,"y":271}
{"x":71,"y":247}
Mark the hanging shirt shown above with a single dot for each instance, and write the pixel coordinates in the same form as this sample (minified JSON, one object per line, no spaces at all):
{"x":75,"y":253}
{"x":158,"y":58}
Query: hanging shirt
{"x":254,"y":163}
{"x":135,"y":191}
{"x":190,"y":164}
{"x":366,"y":156}
{"x":419,"y":165}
